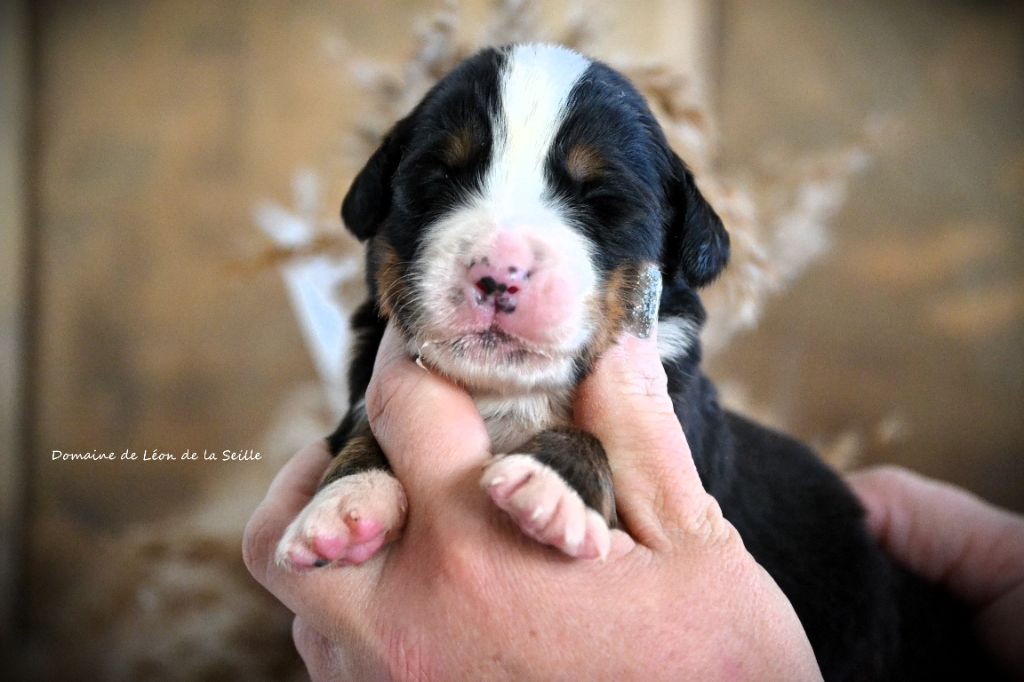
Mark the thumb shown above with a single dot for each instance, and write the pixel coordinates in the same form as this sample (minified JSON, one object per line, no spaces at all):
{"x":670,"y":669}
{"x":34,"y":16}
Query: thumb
{"x":951,"y":537}
{"x":625,"y":404}
{"x":427,"y":426}
{"x":944,"y":533}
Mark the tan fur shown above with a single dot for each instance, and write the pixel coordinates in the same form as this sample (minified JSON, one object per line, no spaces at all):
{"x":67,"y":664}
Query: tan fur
{"x":584,"y":163}
{"x":459,"y":148}
{"x":390,"y":287}
{"x":614,"y":305}
{"x":358,"y":448}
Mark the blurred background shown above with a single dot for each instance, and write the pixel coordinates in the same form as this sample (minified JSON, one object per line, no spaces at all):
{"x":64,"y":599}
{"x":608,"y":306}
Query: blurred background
{"x":163,"y":164}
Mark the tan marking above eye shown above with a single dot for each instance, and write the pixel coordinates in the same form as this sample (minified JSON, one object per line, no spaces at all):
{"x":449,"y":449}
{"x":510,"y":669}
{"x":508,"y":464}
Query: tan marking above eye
{"x":459,"y":148}
{"x":583,"y":162}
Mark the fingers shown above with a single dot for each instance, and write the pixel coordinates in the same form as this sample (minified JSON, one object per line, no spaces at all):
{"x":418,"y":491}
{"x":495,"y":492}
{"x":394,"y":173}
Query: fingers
{"x":327,"y":661}
{"x":625,"y":404}
{"x":291,"y":489}
{"x":323,"y":597}
{"x":944,"y":533}
{"x":317,"y":652}
{"x":429,"y":428}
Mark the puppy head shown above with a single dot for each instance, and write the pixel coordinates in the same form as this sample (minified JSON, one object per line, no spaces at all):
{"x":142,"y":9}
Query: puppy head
{"x":508,"y":213}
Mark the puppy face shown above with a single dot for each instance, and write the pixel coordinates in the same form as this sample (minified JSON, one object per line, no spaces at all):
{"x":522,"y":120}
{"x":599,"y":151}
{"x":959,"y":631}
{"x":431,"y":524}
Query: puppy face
{"x":508,"y":214}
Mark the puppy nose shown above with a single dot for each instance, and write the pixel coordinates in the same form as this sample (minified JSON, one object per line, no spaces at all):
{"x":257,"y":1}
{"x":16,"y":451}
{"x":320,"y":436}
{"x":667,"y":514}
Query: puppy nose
{"x":500,"y":276}
{"x":498,"y":285}
{"x":488,"y":286}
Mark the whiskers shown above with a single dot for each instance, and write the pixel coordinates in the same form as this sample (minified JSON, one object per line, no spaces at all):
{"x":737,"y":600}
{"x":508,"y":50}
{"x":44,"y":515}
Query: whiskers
{"x":403,"y":297}
{"x":420,"y":347}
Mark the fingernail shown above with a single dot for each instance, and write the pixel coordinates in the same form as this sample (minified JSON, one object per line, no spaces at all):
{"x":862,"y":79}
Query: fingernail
{"x":642,"y":308}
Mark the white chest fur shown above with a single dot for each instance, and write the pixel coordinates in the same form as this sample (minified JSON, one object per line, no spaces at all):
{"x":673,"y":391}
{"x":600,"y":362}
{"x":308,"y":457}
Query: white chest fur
{"x":513,"y":420}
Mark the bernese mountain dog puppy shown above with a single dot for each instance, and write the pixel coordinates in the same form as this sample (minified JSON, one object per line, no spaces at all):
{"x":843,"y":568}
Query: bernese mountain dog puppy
{"x":511,"y":220}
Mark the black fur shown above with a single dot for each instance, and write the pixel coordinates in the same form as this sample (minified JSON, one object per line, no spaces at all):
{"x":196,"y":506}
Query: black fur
{"x":360,"y":453}
{"x":408,"y":179}
{"x":866,"y":618}
{"x":579,"y":459}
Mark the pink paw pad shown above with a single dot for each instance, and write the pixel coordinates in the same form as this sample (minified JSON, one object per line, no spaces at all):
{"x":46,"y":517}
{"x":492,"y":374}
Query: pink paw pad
{"x":545,"y":507}
{"x":345,"y":523}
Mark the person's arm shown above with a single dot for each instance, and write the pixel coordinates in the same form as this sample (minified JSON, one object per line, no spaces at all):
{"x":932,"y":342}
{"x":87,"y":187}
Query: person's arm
{"x":952,"y":538}
{"x":464,"y":595}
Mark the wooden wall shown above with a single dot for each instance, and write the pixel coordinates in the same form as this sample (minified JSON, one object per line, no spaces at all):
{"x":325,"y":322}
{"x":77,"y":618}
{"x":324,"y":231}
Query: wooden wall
{"x":906,"y":339}
{"x":14,"y":263}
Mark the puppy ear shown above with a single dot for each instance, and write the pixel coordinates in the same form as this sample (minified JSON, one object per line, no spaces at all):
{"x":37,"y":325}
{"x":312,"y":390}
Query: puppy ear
{"x":369,"y":198}
{"x":696,"y":245}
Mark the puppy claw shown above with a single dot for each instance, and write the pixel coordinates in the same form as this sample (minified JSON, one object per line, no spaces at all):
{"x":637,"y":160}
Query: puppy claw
{"x":345,"y":523}
{"x":545,"y":507}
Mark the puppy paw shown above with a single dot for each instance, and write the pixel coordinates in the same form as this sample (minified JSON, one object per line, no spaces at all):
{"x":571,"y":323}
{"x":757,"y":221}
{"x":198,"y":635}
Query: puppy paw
{"x":546,"y":507}
{"x":345,"y":523}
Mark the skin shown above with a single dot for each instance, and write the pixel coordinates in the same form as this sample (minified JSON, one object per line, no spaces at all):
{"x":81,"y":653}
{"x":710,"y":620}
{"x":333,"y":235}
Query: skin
{"x":973,"y":549}
{"x":464,"y":595}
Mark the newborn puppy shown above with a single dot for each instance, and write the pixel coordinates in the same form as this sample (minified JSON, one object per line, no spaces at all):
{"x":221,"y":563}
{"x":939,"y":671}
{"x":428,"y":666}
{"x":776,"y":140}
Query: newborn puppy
{"x":526,"y":212}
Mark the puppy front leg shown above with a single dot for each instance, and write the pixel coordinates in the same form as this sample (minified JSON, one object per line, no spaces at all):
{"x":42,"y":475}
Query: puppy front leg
{"x":558,"y":489}
{"x":359,"y":507}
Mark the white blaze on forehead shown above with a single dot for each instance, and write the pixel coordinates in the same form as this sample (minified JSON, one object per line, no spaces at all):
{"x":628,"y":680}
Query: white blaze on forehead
{"x":535,"y":84}
{"x":535,"y":88}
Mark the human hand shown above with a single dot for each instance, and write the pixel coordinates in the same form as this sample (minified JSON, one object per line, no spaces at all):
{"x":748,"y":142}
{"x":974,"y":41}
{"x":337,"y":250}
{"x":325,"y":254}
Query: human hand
{"x":464,"y":595}
{"x":954,"y":539}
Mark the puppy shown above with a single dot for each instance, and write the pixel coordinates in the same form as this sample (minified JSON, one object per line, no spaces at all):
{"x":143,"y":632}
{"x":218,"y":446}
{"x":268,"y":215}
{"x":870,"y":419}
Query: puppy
{"x":513,"y":222}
